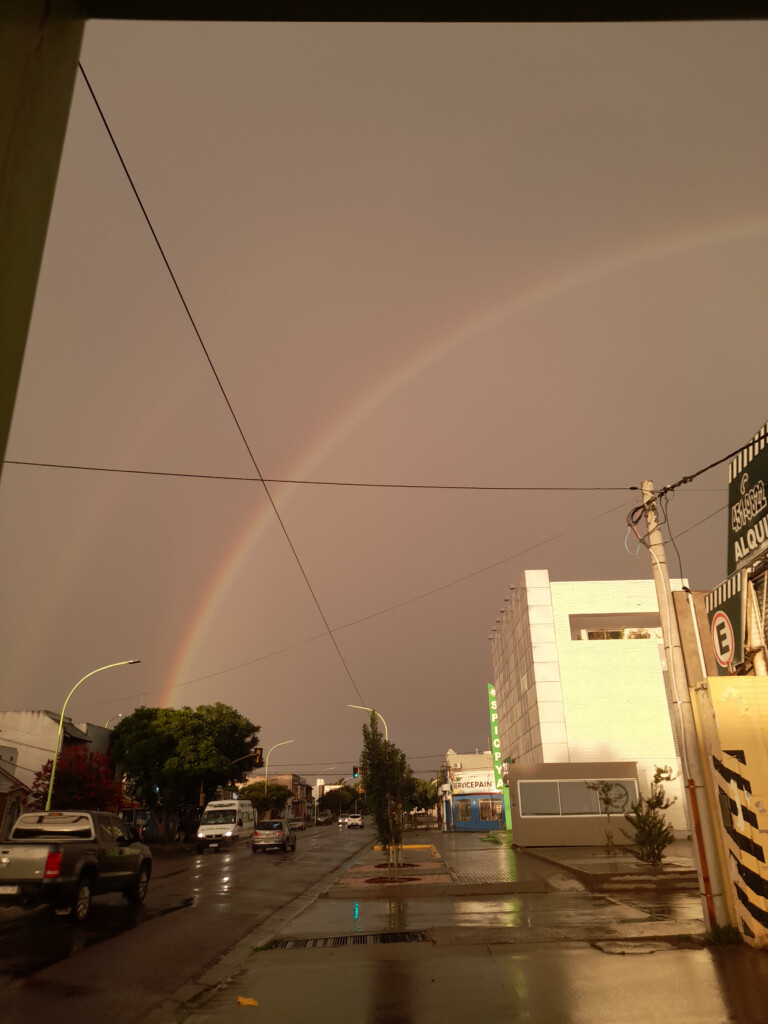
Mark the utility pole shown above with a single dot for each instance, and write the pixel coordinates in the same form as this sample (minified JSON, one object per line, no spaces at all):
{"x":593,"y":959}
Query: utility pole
{"x":755,"y":637}
{"x":708,"y":866}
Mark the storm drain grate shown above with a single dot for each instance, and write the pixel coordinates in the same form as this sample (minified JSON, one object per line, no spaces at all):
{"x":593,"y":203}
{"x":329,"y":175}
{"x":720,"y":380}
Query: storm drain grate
{"x":349,"y":940}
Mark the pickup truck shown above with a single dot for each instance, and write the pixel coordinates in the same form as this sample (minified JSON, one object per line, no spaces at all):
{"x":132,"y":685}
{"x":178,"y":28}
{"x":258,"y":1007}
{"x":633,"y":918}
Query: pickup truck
{"x":64,"y":858}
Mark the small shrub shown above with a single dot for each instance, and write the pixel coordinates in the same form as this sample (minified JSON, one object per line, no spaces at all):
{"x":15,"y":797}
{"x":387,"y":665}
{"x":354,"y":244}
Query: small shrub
{"x":652,"y":834}
{"x":605,"y":794}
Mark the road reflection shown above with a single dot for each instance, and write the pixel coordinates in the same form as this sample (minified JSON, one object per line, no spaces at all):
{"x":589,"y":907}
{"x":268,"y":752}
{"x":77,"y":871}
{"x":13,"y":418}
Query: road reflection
{"x":32,"y":940}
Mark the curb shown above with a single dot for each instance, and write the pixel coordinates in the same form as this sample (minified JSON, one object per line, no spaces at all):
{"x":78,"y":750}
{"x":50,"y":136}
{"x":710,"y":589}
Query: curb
{"x":621,"y":881}
{"x":425,"y":890}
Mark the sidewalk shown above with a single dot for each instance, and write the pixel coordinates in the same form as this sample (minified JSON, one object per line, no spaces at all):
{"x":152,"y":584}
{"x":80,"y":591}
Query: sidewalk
{"x":469,"y":863}
{"x":466,"y":908}
{"x":623,"y":872}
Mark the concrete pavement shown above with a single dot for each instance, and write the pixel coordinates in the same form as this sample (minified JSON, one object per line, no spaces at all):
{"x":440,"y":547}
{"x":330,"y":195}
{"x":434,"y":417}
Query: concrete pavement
{"x":473,"y":928}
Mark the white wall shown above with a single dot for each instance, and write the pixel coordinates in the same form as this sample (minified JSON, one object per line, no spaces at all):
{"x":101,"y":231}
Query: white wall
{"x":33,"y":734}
{"x":565,"y":700}
{"x":614,"y":694}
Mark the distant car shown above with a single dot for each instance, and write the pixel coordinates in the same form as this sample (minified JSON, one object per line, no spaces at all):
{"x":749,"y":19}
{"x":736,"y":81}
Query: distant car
{"x":271,"y":834}
{"x":355,"y":821}
{"x":324,"y":818}
{"x":297,"y":824}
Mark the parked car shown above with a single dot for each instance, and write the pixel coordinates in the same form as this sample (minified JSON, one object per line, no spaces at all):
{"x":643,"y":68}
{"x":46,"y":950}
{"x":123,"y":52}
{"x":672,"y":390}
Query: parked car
{"x":272,"y":834}
{"x":297,"y":824}
{"x":355,"y":821}
{"x":65,"y":858}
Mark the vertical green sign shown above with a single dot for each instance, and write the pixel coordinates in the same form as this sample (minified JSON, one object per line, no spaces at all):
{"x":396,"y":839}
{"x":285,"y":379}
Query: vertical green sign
{"x":493,"y":709}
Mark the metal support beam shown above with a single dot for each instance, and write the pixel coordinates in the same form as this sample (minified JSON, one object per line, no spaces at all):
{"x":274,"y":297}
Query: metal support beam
{"x":39,"y":50}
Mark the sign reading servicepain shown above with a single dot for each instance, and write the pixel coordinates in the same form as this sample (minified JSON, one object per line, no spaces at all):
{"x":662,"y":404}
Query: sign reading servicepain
{"x":748,"y":505}
{"x":726,"y":611}
{"x":477,"y":781}
{"x":493,"y":708}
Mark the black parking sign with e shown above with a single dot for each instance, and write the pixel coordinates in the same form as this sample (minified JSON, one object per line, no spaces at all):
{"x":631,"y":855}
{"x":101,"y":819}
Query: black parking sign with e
{"x":725,"y":611}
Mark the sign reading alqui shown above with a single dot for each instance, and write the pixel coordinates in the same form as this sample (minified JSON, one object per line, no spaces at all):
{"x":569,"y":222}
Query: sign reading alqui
{"x":748,"y":504}
{"x":493,"y":708}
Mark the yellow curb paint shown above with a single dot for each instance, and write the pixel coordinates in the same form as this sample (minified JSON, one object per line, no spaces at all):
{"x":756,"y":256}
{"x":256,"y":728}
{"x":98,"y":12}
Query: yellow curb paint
{"x":415,"y":846}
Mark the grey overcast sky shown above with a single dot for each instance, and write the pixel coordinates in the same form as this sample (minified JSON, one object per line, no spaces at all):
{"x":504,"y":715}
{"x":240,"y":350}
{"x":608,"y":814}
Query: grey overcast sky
{"x":493,"y":255}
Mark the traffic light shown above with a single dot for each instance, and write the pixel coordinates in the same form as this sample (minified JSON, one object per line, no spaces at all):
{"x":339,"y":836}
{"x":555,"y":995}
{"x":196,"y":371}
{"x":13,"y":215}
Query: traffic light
{"x":258,"y":761}
{"x":355,"y":771}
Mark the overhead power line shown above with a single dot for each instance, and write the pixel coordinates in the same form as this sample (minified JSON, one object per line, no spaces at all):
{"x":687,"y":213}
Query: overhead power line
{"x":638,"y":513}
{"x":410,"y":600}
{"x":346,"y":760}
{"x":384,"y":611}
{"x":220,"y":384}
{"x":362,"y":484}
{"x":401,"y":604}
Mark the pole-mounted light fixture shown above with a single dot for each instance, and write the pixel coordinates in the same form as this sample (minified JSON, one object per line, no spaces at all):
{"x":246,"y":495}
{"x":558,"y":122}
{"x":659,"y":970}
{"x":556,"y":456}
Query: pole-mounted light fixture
{"x":115,"y":664}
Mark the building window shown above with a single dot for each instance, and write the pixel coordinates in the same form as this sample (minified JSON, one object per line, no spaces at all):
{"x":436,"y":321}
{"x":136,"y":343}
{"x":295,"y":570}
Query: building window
{"x":571,"y":797}
{"x":539,"y":798}
{"x":621,"y":634}
{"x":618,"y":626}
{"x":490,"y":809}
{"x":575,"y":798}
{"x":463,"y":810}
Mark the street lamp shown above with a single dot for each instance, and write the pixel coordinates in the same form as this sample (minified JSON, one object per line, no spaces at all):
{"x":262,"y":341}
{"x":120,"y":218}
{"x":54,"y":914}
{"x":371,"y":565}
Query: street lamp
{"x":375,"y":712}
{"x":115,"y":664}
{"x":106,"y":724}
{"x":266,"y":770}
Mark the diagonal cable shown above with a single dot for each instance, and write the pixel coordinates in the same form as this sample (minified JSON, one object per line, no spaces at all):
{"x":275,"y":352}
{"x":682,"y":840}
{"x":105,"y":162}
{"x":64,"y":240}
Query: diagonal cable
{"x":220,"y":384}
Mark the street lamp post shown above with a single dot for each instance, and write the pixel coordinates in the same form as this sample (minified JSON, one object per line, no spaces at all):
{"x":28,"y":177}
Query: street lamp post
{"x":106,"y":724}
{"x":253,"y":753}
{"x":266,"y":770}
{"x":115,"y":664}
{"x":375,"y":712}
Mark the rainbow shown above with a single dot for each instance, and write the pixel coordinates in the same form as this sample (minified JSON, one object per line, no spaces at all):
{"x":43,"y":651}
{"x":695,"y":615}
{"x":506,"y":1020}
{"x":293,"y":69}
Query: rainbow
{"x":646,"y":252}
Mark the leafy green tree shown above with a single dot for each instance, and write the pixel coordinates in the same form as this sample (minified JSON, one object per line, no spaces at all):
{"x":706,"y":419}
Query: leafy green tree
{"x":85,"y":781}
{"x":339,"y":800}
{"x":424,"y":794}
{"x":265,"y":803}
{"x":388,"y":784}
{"x":175,"y":756}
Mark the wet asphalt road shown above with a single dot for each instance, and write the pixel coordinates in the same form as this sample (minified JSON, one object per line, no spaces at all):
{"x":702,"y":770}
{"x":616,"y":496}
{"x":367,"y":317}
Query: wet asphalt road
{"x":127,"y":966}
{"x":124,"y":960}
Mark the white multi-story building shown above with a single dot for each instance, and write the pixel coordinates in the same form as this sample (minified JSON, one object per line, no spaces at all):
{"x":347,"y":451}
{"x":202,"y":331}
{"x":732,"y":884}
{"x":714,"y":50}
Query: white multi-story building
{"x":581,"y":676}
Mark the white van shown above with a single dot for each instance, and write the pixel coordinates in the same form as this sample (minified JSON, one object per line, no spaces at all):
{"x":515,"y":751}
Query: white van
{"x":224,"y":822}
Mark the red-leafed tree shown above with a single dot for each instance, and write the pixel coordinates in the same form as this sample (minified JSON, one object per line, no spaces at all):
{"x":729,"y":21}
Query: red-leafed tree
{"x":85,"y":781}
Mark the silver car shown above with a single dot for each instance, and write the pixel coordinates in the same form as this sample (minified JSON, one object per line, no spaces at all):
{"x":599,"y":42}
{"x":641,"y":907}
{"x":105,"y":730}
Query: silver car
{"x":268,"y":834}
